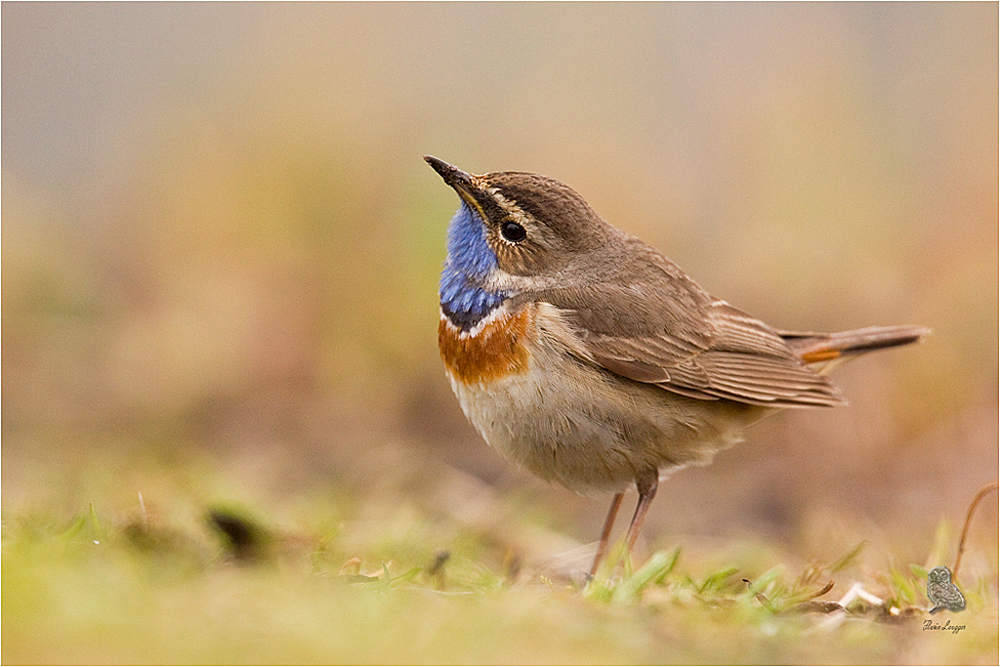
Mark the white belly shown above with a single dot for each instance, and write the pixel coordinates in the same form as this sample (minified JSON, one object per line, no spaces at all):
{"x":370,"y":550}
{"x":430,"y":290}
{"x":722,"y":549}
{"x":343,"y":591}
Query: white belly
{"x":571,"y":422}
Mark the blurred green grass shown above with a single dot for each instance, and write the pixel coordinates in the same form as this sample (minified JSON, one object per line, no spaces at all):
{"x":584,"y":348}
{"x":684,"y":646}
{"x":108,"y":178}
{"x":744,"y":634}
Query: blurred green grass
{"x":155,"y":588}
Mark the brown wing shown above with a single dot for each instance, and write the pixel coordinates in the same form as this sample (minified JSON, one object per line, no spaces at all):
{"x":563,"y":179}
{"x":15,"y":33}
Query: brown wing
{"x":653,"y":324}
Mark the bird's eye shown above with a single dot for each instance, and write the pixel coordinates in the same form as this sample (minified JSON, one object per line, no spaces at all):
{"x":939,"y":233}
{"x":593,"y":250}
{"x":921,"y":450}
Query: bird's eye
{"x":512,"y":231}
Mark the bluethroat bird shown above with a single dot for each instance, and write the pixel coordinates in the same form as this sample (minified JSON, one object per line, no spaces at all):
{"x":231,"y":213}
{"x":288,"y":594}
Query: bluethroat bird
{"x":589,"y":358}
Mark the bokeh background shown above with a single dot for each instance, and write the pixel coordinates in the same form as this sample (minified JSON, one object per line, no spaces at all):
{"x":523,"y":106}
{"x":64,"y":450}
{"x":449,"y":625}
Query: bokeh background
{"x":220,"y":247}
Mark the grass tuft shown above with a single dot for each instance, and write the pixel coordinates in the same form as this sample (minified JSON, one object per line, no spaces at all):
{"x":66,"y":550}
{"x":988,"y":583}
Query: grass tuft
{"x":240,"y":588}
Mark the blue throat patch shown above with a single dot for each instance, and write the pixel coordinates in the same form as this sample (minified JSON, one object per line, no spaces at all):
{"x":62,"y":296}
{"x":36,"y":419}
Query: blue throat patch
{"x":470,"y":261}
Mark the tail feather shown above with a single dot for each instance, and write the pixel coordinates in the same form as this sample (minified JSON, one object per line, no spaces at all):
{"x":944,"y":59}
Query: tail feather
{"x":817,"y":348}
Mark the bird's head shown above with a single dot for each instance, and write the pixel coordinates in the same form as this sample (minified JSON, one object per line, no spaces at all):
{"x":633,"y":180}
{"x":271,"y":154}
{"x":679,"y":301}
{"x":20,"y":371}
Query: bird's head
{"x":516,"y":229}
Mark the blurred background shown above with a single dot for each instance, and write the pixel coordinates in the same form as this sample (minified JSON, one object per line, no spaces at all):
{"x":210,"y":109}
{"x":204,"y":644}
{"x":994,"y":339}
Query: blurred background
{"x":220,"y":246}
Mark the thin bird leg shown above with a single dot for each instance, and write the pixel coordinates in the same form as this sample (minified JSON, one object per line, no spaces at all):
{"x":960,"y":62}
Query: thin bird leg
{"x":609,"y":523}
{"x":646,"y":486}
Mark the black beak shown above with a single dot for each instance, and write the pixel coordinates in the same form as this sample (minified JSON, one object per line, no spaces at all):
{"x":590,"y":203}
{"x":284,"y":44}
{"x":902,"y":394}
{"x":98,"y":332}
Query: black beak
{"x":451,"y":174}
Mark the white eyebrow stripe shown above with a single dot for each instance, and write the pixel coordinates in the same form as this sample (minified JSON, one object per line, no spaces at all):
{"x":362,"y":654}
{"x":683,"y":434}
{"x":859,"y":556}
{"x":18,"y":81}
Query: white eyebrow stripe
{"x":509,"y":206}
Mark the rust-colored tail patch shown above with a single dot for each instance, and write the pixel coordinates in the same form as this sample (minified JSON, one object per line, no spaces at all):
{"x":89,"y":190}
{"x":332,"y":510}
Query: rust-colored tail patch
{"x":814,"y":348}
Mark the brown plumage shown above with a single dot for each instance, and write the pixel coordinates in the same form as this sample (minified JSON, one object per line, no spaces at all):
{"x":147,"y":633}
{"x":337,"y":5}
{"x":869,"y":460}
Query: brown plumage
{"x":588,"y":357}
